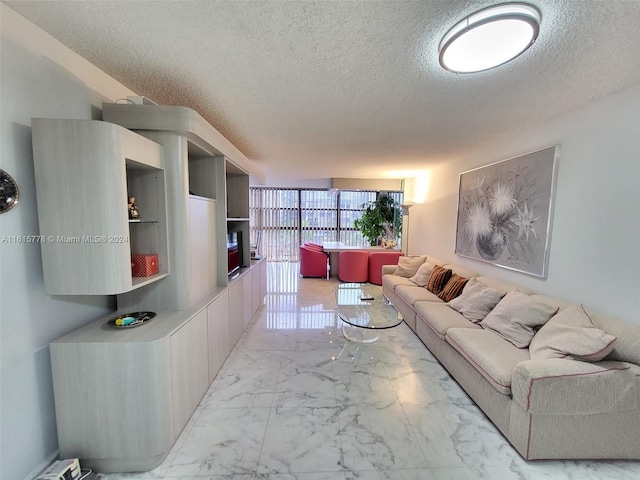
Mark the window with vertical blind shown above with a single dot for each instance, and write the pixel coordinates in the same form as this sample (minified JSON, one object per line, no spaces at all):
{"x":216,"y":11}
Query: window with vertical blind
{"x":274,"y":212}
{"x":319,"y":216}
{"x":351,"y":209}
{"x":289,"y":217}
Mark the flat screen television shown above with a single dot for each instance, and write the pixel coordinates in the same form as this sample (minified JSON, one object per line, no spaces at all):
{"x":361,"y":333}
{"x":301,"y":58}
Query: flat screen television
{"x":234,"y":255}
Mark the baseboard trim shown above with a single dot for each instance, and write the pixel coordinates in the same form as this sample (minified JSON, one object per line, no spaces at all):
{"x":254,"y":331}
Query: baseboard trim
{"x":43,"y":466}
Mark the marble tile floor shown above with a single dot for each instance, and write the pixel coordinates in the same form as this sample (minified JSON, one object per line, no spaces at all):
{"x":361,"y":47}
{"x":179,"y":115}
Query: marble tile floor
{"x":296,"y":401}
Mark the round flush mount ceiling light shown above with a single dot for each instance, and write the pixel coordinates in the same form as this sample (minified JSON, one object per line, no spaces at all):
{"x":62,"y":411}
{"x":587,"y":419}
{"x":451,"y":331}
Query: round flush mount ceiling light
{"x":489,"y":38}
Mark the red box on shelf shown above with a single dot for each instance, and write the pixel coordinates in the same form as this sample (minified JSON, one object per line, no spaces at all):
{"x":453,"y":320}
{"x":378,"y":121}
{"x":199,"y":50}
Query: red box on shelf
{"x":144,"y":264}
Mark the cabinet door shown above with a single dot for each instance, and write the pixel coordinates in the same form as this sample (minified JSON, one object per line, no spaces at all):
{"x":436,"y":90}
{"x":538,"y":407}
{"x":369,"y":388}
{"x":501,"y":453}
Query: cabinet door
{"x":263,"y":279}
{"x":256,"y":300}
{"x":248,"y":298}
{"x":189,"y":368}
{"x":202,"y":232}
{"x":113,"y":399}
{"x":236,"y":312}
{"x":218,"y":333}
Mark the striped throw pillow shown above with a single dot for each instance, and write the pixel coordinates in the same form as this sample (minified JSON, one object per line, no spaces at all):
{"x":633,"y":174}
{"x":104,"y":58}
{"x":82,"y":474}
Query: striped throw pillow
{"x":453,"y":288}
{"x":438,"y":279}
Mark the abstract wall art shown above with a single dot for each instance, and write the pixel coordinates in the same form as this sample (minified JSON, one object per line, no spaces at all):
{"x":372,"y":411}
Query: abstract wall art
{"x":505,"y":212}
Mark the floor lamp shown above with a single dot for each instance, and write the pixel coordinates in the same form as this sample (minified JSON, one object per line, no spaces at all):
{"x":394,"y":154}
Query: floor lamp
{"x":405,"y":228}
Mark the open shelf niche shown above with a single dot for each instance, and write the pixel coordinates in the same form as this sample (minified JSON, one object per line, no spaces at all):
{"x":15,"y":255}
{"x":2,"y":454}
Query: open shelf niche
{"x":237,"y":187}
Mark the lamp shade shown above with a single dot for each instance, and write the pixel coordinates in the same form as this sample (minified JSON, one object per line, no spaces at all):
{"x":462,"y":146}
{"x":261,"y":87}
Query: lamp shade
{"x":489,"y":38}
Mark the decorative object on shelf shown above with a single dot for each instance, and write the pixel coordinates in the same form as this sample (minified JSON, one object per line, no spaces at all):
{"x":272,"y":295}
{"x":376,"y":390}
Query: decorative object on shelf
{"x":504,"y":212}
{"x":386,"y":243}
{"x":8,"y":192}
{"x":134,"y":216}
{"x":144,"y":264}
{"x":381,"y":219}
{"x":130,"y":320}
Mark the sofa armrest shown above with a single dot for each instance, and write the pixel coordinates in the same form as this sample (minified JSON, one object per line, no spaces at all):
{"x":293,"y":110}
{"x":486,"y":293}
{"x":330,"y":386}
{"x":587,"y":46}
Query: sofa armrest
{"x":570,"y":387}
{"x":388,"y":269}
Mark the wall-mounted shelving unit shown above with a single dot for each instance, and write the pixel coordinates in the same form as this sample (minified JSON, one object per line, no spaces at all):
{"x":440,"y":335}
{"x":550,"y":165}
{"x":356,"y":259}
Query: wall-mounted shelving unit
{"x":196,"y":151}
{"x":188,"y":203}
{"x":85,"y":171}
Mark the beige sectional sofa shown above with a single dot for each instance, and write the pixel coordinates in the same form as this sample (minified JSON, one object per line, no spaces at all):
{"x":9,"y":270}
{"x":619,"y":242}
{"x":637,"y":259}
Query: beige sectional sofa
{"x":547,"y":408}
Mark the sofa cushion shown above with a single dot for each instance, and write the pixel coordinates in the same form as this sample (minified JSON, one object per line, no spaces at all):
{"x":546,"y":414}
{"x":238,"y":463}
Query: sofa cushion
{"x":389,"y":269}
{"x":438,"y":279}
{"x":500,"y":285}
{"x":393,"y":281}
{"x":412,"y":294}
{"x":551,"y":301}
{"x":453,"y":288}
{"x":408,"y":266}
{"x":476,"y":300}
{"x":421,"y":278}
{"x":571,"y":333}
{"x":627,"y":346}
{"x":435,"y":261}
{"x":517,"y":316}
{"x":490,"y":354}
{"x":440,"y":318}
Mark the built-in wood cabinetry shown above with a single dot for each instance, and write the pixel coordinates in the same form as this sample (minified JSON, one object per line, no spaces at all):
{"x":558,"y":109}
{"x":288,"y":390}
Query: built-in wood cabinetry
{"x":85,"y":171}
{"x":124,"y":395}
{"x":218,"y":333}
{"x":236,"y":311}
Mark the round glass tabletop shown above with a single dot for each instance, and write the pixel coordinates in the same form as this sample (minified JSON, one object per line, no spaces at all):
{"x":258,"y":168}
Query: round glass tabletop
{"x":363,"y":306}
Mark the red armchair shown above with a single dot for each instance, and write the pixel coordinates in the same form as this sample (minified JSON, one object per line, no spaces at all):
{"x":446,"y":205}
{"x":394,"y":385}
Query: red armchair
{"x":353,"y":266}
{"x":377,"y":260}
{"x":313,"y":262}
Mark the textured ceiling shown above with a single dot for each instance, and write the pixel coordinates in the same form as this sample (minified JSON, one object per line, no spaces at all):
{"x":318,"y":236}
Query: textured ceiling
{"x":350,"y":88}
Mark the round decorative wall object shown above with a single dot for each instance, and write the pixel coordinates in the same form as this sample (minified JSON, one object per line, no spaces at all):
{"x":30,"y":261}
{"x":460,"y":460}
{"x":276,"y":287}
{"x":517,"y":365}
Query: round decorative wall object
{"x":8,"y":192}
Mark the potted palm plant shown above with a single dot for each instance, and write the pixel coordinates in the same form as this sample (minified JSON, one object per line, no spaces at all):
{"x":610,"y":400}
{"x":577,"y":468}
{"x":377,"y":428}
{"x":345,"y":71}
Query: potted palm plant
{"x":381,"y":220}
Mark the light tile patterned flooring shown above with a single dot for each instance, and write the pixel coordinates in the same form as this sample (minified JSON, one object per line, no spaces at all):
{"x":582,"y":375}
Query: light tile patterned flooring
{"x":296,"y":401}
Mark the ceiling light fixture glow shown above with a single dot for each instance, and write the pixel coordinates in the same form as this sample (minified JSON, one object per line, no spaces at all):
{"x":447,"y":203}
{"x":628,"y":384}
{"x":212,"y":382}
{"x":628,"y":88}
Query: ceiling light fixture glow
{"x":489,"y":38}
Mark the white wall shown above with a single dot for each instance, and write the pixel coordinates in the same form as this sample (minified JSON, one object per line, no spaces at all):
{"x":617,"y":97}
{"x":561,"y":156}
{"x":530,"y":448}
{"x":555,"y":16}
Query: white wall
{"x":595,"y":251}
{"x":33,"y":85}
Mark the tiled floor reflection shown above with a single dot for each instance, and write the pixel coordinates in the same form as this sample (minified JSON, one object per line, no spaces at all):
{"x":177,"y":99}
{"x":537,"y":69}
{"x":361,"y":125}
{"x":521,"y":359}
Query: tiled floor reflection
{"x":296,"y":401}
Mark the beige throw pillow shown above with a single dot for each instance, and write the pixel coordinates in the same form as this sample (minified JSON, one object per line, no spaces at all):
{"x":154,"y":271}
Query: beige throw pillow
{"x":476,"y":300}
{"x":517,"y":317}
{"x":422,"y":274}
{"x":408,"y":266}
{"x":571,"y":333}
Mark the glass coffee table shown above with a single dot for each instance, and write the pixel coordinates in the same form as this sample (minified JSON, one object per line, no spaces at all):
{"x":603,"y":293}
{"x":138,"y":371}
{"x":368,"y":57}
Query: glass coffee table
{"x":364,"y":312}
